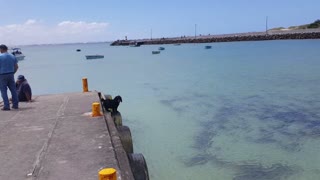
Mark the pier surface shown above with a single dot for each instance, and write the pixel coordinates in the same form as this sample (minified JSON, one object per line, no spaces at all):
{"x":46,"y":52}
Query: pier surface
{"x":54,"y":138}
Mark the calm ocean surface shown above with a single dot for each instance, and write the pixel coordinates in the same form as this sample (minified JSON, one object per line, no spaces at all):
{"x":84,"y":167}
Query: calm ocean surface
{"x":238,"y":111}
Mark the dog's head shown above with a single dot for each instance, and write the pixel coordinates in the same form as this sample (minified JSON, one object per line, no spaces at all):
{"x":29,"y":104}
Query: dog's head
{"x":118,"y":99}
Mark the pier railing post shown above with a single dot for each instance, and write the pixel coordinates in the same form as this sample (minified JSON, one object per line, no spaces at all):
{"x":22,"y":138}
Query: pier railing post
{"x":108,"y":174}
{"x":85,"y":85}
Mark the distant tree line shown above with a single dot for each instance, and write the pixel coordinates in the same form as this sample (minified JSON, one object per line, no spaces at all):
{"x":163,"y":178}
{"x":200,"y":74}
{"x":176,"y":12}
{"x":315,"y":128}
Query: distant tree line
{"x":315,"y":24}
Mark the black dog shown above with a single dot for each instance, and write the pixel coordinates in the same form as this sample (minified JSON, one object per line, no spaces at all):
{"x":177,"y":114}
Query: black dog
{"x":111,"y":103}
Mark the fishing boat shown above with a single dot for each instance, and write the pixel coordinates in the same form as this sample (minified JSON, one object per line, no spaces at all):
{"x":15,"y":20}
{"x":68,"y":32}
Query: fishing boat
{"x":161,"y":48}
{"x":208,"y":47}
{"x":18,"y":54}
{"x":155,"y":52}
{"x":135,"y":44}
{"x":94,"y":56}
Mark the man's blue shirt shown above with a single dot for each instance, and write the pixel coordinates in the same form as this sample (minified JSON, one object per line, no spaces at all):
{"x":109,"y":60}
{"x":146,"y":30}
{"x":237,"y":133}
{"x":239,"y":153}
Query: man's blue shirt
{"x":7,"y":63}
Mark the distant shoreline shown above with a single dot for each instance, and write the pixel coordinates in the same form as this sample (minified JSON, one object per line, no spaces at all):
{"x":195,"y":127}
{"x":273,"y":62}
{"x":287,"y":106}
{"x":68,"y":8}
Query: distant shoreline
{"x":252,"y":36}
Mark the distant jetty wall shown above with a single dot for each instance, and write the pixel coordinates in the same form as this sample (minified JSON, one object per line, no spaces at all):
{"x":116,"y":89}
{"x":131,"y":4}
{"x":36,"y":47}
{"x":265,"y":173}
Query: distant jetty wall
{"x":255,"y":36}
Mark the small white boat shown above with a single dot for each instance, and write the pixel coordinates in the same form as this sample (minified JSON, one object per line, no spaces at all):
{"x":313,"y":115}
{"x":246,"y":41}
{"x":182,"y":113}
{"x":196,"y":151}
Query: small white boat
{"x":18,"y":54}
{"x":135,"y":44}
{"x":94,"y":56}
{"x":155,"y":52}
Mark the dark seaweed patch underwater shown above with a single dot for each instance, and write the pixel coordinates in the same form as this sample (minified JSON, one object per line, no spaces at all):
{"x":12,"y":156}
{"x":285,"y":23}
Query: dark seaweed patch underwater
{"x":258,"y":172}
{"x":293,"y":123}
{"x":245,"y":170}
{"x":285,"y":126}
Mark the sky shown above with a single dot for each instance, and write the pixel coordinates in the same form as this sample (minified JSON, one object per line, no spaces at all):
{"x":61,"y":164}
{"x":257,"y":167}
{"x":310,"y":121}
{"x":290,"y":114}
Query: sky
{"x":72,"y":21}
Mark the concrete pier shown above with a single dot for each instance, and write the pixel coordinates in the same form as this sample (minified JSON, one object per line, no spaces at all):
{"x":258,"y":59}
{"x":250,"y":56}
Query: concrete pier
{"x":55,"y":137}
{"x":250,"y":36}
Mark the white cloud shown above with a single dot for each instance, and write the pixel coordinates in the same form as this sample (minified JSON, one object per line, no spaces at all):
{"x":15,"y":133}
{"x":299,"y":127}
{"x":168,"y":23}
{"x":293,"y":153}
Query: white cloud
{"x":30,"y":22}
{"x":70,"y":27}
{"x":35,"y":32}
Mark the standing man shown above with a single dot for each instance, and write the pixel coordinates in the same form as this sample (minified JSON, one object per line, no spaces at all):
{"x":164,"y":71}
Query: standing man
{"x":8,"y":66}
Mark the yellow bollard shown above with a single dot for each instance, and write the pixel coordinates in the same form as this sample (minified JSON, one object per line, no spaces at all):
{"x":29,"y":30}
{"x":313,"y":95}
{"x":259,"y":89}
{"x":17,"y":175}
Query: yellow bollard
{"x":96,"y":109}
{"x":85,"y":85}
{"x":108,"y":174}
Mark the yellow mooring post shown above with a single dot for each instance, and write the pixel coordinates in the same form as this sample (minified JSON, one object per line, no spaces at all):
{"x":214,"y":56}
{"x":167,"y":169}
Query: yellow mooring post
{"x":96,"y":109}
{"x":85,"y":85}
{"x":108,"y":174}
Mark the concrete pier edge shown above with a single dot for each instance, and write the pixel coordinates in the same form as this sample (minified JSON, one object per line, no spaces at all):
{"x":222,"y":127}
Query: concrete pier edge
{"x":121,"y":155}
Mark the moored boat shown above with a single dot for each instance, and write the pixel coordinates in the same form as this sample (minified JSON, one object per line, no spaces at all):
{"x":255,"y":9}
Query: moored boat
{"x":161,"y":48}
{"x":18,"y":54}
{"x":208,"y":47}
{"x":135,"y":44}
{"x":94,"y":56}
{"x":155,"y":52}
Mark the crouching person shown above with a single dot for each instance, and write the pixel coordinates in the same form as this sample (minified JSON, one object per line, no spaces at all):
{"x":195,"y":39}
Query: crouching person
{"x":23,"y":89}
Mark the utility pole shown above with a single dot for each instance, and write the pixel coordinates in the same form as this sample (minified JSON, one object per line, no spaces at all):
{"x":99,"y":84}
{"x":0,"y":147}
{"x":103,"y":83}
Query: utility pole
{"x":195,"y":31}
{"x":267,"y":25}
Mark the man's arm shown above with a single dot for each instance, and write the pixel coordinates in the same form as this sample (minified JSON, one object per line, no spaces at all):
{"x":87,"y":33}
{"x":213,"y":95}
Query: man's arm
{"x":16,"y":67}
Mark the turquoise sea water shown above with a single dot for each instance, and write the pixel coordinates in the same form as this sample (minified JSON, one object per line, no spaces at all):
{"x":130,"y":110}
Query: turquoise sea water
{"x":238,"y":111}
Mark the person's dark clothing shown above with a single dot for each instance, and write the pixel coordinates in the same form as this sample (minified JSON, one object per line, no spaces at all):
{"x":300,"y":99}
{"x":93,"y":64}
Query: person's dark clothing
{"x":22,"y":89}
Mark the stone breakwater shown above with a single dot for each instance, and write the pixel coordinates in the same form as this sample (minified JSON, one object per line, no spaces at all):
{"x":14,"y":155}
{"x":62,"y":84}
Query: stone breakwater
{"x":257,"y":36}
